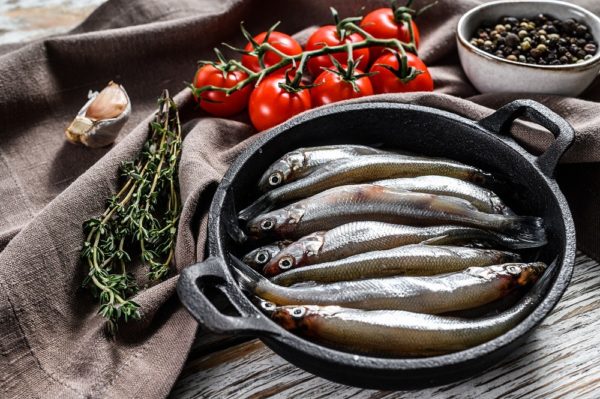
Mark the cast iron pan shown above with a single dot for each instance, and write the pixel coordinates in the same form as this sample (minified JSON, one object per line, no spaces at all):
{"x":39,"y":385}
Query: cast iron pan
{"x":422,"y":130}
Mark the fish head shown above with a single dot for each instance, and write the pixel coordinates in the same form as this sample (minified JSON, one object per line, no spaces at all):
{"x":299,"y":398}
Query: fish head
{"x":295,"y":255}
{"x":280,"y":172}
{"x":280,"y":222}
{"x":529,"y":272}
{"x":294,"y":318}
{"x":259,"y":257}
{"x":510,"y":275}
{"x":519,"y":273}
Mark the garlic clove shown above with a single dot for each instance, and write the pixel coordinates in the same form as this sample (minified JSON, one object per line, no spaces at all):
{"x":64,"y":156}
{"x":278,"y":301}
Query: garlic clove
{"x":110,"y":103}
{"x":101,"y":118}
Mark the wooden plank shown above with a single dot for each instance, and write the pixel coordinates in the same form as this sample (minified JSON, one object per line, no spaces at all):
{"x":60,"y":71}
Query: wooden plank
{"x":561,"y":359}
{"x":22,"y":20}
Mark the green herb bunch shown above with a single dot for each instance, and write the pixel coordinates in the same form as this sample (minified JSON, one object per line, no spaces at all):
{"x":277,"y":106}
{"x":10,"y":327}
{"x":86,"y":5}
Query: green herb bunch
{"x":139,"y":219}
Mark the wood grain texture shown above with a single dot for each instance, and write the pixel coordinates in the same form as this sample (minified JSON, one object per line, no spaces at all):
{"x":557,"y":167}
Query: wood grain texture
{"x":560,"y":359}
{"x":22,"y":20}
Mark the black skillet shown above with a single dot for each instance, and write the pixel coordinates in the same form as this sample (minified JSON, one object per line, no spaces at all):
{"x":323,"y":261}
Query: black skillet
{"x":529,"y":189}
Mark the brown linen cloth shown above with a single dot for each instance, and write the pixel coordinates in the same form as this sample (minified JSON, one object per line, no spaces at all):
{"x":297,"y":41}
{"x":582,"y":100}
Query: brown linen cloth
{"x":51,"y":340}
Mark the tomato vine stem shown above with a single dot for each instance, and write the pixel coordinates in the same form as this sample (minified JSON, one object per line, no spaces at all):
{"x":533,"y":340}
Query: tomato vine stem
{"x":348,"y":24}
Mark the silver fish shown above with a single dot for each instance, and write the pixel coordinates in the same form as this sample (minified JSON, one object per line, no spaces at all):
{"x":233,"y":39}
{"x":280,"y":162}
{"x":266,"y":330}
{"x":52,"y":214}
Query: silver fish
{"x":358,"y":237}
{"x":341,"y":205}
{"x":259,"y":257}
{"x":303,"y":161}
{"x":398,"y":333}
{"x":470,"y":288}
{"x":411,"y":260}
{"x":485,"y":200}
{"x":362,"y":169}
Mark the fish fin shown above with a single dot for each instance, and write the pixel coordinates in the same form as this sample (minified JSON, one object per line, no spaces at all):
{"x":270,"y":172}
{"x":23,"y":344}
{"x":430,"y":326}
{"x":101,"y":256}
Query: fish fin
{"x":304,"y":284}
{"x":436,"y":240}
{"x":527,"y":229}
{"x":245,"y":276}
{"x":520,"y":242}
{"x":231,"y":222}
{"x":262,"y":204}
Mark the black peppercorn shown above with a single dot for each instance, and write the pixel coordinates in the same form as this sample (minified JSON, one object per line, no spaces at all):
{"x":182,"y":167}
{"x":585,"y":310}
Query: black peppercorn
{"x":581,"y":30}
{"x":512,"y":40}
{"x":535,"y":53}
{"x":573,"y":48}
{"x":590,"y":48}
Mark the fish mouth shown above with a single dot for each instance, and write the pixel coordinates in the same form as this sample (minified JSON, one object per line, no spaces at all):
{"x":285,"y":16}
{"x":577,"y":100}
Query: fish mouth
{"x":283,"y":317}
{"x":531,"y":274}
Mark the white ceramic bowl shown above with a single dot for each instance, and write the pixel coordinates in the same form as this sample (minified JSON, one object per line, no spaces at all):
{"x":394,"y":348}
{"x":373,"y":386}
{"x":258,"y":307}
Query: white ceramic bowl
{"x":492,"y":74}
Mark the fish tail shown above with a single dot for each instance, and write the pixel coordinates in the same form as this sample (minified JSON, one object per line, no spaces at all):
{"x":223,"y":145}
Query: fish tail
{"x":523,"y":241}
{"x":525,"y":228}
{"x":264,"y":204}
{"x":246,"y":277}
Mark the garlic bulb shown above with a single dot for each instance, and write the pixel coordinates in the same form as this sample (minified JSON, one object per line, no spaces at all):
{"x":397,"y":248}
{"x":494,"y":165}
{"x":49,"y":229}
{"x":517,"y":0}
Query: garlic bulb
{"x":99,"y":121}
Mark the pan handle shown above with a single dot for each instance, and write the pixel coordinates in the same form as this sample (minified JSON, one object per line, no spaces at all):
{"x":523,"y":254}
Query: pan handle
{"x":501,"y":121}
{"x":211,"y":272}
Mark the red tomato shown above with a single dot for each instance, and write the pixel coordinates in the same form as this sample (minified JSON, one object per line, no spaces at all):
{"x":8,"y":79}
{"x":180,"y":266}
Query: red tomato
{"x":331,"y":87}
{"x":219,"y":103}
{"x":328,"y":35}
{"x":382,"y":24}
{"x":282,"y":42}
{"x":271,"y":104}
{"x":385,"y":81}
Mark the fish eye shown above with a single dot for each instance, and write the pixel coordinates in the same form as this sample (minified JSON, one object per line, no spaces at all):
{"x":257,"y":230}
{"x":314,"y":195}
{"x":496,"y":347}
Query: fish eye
{"x":268,"y":306}
{"x":262,"y":257}
{"x":275,"y":179}
{"x":298,"y":312}
{"x":515,"y":270}
{"x":267,"y":224}
{"x":286,"y":262}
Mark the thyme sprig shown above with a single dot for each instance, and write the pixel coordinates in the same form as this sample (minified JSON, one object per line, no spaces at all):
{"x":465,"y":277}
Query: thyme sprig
{"x":140,"y":218}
